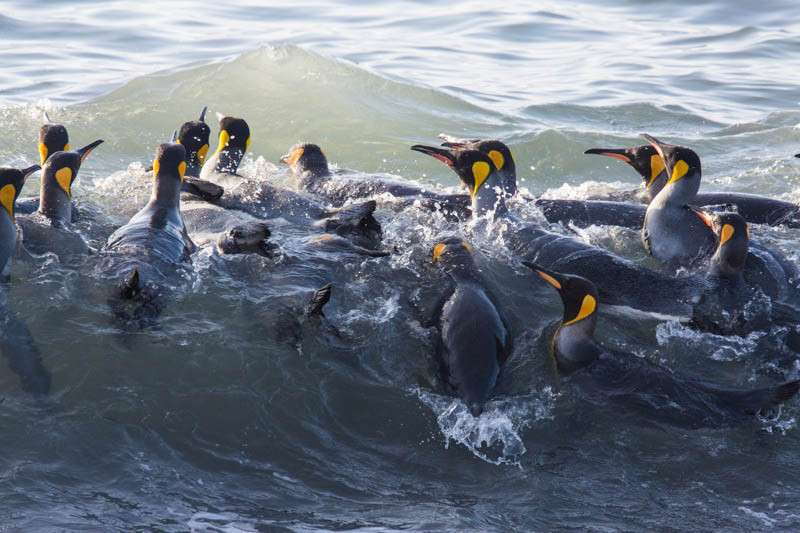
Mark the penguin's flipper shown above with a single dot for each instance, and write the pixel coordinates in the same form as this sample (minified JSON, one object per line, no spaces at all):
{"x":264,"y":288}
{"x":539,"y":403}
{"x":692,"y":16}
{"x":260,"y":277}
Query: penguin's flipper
{"x":351,"y":215}
{"x":355,"y":222}
{"x":246,"y":238}
{"x":202,"y":189}
{"x":321,"y":297}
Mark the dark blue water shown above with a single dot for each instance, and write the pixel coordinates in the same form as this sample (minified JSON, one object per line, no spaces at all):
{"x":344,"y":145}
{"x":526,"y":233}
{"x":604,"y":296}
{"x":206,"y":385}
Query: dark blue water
{"x":228,"y":418}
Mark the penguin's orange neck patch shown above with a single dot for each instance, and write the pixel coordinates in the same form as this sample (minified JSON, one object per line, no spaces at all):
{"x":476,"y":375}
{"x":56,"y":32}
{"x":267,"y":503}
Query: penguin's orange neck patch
{"x":7,"y":195}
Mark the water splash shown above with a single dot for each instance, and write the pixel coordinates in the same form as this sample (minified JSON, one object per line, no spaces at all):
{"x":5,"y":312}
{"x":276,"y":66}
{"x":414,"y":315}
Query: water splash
{"x":495,"y":436}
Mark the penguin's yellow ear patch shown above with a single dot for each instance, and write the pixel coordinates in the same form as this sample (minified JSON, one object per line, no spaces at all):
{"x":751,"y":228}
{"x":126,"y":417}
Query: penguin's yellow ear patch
{"x":43,"y":152}
{"x":656,"y":166}
{"x":247,"y":144}
{"x":678,"y":171}
{"x":66,"y":147}
{"x":201,"y":153}
{"x":480,"y":171}
{"x":182,"y":169}
{"x":7,"y":195}
{"x":497,"y":158}
{"x":156,"y":166}
{"x":588,"y":306}
{"x":64,"y":179}
{"x":224,"y":139}
{"x":467,"y":245}
{"x":726,"y":234}
{"x":438,"y":250}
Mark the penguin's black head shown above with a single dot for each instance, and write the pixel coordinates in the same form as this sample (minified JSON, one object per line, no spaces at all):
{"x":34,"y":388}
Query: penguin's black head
{"x":307,"y":159}
{"x":170,"y":161}
{"x":679,"y":161}
{"x":63,"y":166}
{"x":11,"y":183}
{"x":52,"y":138}
{"x":233,"y":133}
{"x":194,"y":136}
{"x":452,"y":251}
{"x":497,"y":151}
{"x":578,"y":294}
{"x":644,"y":159}
{"x":733,"y":237}
{"x":474,"y":168}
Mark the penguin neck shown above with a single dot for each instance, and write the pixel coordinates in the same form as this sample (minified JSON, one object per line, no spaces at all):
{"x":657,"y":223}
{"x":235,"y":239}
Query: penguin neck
{"x":166,"y":191}
{"x":193,"y":165}
{"x":54,"y":202}
{"x":489,"y":199}
{"x":508,"y":178}
{"x":656,"y":187}
{"x":228,"y":159}
{"x":461,"y":271}
{"x":574,"y":346}
{"x":308,"y":177}
{"x":678,"y":194}
{"x":720,"y":269}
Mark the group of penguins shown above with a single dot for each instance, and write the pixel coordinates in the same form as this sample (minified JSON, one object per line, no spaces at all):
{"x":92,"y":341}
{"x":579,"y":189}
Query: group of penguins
{"x":733,"y":286}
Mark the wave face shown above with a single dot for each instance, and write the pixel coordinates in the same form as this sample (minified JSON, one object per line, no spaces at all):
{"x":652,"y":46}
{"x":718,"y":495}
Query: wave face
{"x":231,"y":415}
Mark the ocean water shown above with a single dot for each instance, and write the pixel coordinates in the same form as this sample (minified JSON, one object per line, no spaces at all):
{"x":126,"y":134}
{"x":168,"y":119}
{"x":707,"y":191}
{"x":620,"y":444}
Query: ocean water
{"x":227,"y":418}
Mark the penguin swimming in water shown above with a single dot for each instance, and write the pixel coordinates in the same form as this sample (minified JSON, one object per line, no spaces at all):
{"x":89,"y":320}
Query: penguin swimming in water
{"x":620,"y":281}
{"x":648,"y":163}
{"x":604,"y":374}
{"x":475,"y":339}
{"x":11,"y":182}
{"x":309,"y":165}
{"x":672,"y":232}
{"x":52,"y":138}
{"x":194,"y":135}
{"x":48,"y":229}
{"x":150,"y":250}
{"x":263,"y":200}
{"x":16,"y":341}
{"x":580,"y":213}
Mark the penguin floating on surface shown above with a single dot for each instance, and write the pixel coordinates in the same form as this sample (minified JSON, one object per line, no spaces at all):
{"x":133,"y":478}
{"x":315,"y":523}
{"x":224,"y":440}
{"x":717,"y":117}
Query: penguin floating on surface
{"x":603,"y":374}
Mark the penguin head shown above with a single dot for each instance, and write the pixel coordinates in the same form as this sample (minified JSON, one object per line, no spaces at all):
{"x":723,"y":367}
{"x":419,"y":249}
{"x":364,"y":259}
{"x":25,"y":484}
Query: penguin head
{"x":733,"y":238}
{"x":453,"y":252}
{"x":61,"y":169}
{"x":644,"y":159}
{"x":475,"y":169}
{"x":682,"y":167}
{"x":11,"y":182}
{"x":52,"y":138}
{"x":307,"y":160}
{"x":170,"y":162}
{"x":234,"y":133}
{"x":499,"y":153}
{"x":579,"y":296}
{"x":194,"y":136}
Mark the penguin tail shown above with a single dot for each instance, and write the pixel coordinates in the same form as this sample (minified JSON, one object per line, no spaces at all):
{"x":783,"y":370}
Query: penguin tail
{"x":321,"y":297}
{"x":131,"y":287}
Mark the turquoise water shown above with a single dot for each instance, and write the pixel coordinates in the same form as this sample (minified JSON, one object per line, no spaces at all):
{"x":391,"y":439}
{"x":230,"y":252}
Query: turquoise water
{"x":216,"y":422}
